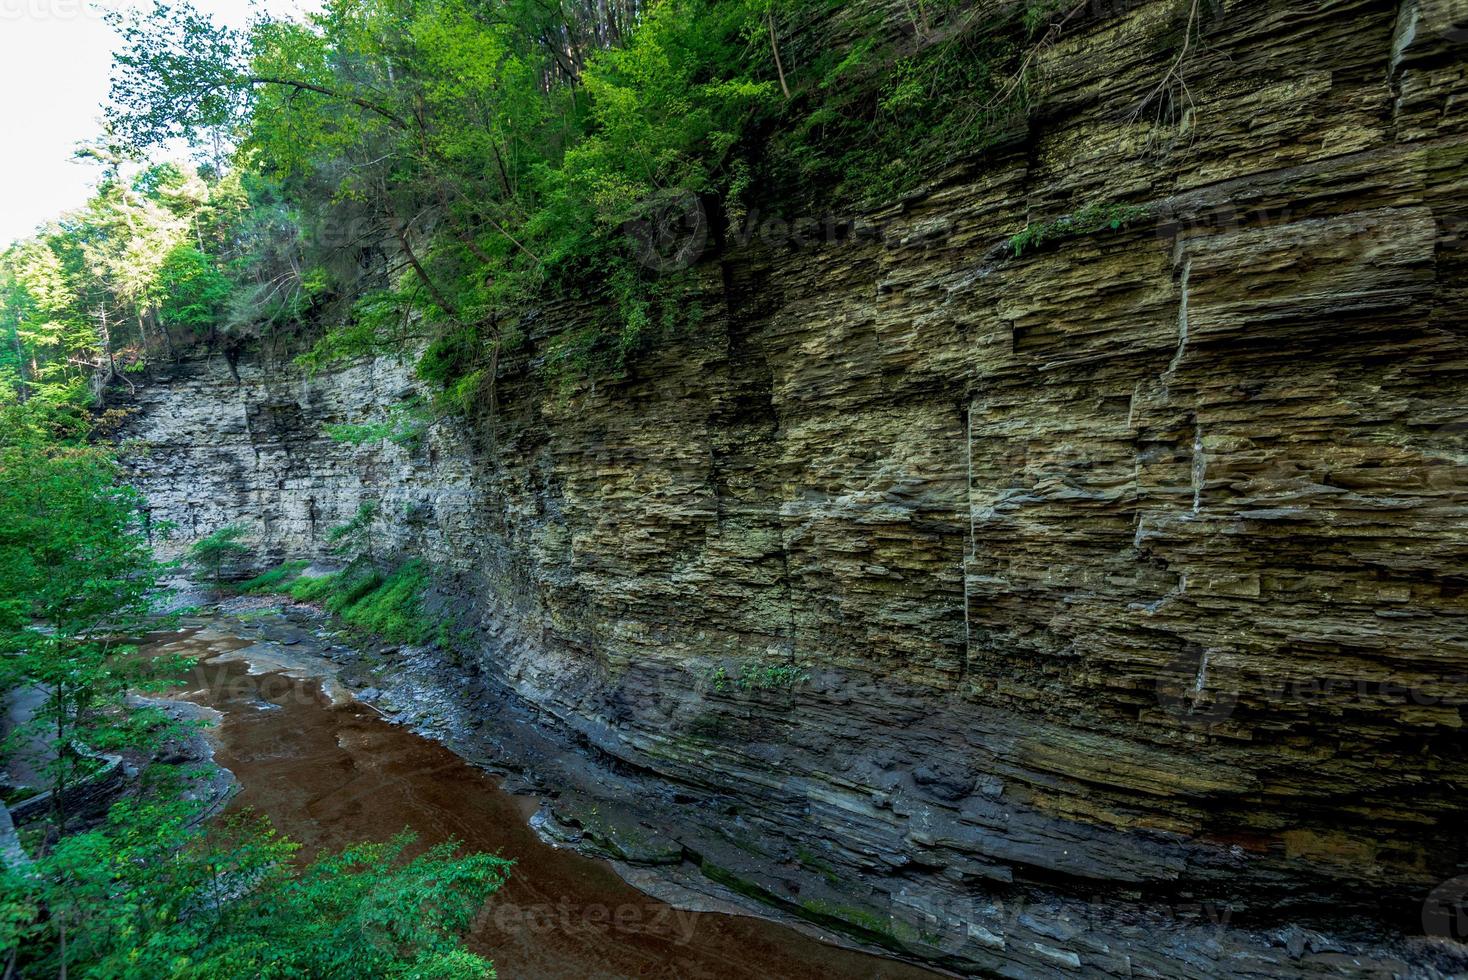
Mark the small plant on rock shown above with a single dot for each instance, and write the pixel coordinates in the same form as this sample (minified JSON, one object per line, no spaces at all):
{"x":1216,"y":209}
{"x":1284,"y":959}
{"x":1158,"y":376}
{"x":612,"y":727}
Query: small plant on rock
{"x":1089,"y":220}
{"x":210,"y":554}
{"x":355,"y":538}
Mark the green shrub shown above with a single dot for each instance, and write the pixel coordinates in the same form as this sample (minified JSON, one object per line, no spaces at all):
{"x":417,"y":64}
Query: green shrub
{"x":210,"y":554}
{"x":759,"y":677}
{"x":1088,"y":221}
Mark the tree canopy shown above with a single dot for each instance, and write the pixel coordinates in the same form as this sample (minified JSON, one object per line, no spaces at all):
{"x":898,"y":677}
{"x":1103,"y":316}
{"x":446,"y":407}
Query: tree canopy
{"x":424,"y":174}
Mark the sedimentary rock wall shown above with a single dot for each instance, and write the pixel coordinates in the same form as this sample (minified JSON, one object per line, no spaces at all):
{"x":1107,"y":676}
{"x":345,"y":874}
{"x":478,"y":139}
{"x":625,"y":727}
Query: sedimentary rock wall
{"x":1124,"y":580}
{"x":211,"y":443}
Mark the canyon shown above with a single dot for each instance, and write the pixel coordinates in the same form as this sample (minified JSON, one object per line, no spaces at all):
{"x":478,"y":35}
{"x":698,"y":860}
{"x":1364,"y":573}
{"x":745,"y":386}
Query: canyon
{"x":1100,"y":607}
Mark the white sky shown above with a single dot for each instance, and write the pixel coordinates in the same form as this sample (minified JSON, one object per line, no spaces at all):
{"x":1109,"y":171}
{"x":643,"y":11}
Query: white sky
{"x":55,"y":56}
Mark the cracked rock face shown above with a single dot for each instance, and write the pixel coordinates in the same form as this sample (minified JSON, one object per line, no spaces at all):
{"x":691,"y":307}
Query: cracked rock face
{"x":1120,"y":589}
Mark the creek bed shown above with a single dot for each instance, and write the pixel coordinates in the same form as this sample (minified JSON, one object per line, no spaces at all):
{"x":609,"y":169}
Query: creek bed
{"x":330,"y":771}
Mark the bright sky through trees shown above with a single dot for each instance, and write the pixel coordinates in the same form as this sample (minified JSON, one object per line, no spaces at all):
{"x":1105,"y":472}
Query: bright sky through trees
{"x":55,"y":56}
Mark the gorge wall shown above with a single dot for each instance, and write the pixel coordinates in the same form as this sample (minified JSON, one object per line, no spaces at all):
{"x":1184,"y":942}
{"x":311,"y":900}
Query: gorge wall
{"x":1126,"y":579}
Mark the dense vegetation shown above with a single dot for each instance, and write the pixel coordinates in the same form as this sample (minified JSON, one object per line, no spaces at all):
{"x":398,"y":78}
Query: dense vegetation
{"x":150,"y":888}
{"x":429,"y":173}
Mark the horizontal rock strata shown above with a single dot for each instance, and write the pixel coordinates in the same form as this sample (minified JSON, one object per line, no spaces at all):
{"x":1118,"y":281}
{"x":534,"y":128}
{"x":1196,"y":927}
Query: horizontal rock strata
{"x":1032,"y":609}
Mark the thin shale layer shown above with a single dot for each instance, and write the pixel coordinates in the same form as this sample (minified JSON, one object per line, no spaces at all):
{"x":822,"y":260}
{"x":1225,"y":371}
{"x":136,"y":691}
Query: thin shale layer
{"x":1125,"y":581}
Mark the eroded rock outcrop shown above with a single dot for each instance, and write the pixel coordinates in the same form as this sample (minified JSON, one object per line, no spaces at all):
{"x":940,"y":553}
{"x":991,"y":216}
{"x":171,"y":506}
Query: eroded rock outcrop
{"x":1125,"y":583}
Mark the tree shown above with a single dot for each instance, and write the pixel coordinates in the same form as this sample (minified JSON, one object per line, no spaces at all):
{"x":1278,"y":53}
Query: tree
{"x":471,"y":157}
{"x":154,"y":890}
{"x":211,"y":553}
{"x":77,"y":578}
{"x":149,"y":893}
{"x":193,"y":292}
{"x":355,"y":537}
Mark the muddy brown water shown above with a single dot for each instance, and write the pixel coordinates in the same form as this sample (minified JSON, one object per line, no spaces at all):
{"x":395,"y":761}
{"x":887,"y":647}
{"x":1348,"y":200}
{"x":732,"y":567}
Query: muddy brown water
{"x":331,"y":775}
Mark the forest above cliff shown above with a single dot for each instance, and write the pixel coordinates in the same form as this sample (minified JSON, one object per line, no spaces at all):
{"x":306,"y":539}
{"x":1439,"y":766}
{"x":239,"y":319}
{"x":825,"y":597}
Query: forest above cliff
{"x":391,"y":174}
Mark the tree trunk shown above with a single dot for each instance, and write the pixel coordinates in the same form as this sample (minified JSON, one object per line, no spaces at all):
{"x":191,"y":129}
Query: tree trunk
{"x":775,"y":48}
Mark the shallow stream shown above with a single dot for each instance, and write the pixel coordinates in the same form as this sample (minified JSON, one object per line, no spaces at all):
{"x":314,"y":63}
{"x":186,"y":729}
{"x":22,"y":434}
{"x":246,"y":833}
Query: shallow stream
{"x":328,"y":774}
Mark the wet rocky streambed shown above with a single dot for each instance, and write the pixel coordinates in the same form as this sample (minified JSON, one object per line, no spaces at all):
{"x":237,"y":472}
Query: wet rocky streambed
{"x":328,"y":769}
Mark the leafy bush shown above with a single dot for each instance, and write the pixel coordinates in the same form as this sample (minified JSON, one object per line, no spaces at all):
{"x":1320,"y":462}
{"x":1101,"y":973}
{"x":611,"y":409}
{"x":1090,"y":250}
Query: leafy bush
{"x":758,"y":677}
{"x":211,"y":553}
{"x":1088,"y":221}
{"x":152,"y":893}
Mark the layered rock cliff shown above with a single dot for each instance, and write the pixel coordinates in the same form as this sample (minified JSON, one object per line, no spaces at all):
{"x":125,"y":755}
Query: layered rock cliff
{"x":1123,"y":583}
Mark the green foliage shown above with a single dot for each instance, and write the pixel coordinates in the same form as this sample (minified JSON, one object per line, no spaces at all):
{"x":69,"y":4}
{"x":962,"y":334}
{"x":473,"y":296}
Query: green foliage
{"x":1089,"y":220}
{"x":470,"y":163}
{"x":211,"y":553}
{"x":274,"y":580}
{"x":405,"y":426}
{"x":758,"y":677}
{"x":77,"y":576}
{"x":150,"y":893}
{"x":355,"y":538}
{"x":390,"y":606}
{"x":193,"y":291}
{"x":164,"y":257}
{"x":762,"y":676}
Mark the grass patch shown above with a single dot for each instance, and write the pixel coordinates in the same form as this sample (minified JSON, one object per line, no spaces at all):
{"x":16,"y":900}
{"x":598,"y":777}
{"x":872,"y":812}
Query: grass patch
{"x":393,"y":606}
{"x":389,"y":605}
{"x":275,"y":580}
